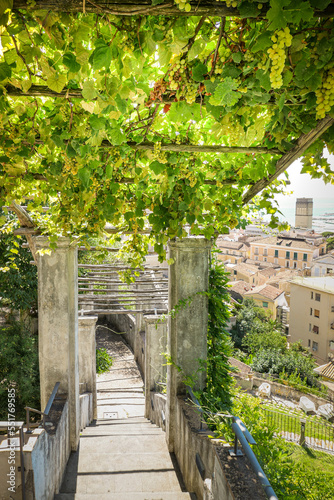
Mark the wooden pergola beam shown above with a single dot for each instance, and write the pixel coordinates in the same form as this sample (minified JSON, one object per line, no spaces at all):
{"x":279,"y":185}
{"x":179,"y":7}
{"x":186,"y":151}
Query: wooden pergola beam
{"x":302,"y":144}
{"x":143,"y":7}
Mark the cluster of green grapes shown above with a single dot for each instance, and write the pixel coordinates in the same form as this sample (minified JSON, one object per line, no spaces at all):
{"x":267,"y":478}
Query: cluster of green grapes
{"x":281,"y":39}
{"x":325,"y":94}
{"x":224,"y":53}
{"x":183,"y":5}
{"x":177,"y":74}
{"x":231,"y":3}
{"x":159,"y":155}
{"x":190,"y":93}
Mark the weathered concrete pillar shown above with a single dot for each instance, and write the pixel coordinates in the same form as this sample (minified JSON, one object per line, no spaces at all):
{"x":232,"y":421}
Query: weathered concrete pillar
{"x":155,"y":361}
{"x":87,"y":357}
{"x":58,"y":325}
{"x":187,"y":331}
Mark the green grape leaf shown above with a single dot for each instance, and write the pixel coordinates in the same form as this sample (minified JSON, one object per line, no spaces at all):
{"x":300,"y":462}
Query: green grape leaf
{"x":236,"y":56}
{"x":320,"y":4}
{"x":121,"y":104}
{"x":97,"y":123}
{"x":157,"y":2}
{"x":301,"y":11}
{"x":199,"y":70}
{"x":248,"y":9}
{"x":88,"y":90}
{"x":84,"y":176}
{"x":157,"y":167}
{"x":70,"y":62}
{"x":5,"y":71}
{"x":287,"y":77}
{"x":225,"y":94}
{"x":276,"y":14}
{"x":262,"y":42}
{"x":5,"y":5}
{"x":196,"y":49}
{"x":263,"y":79}
{"x":56,"y":82}
{"x":116,"y":137}
{"x":101,"y":56}
{"x":314,"y":82}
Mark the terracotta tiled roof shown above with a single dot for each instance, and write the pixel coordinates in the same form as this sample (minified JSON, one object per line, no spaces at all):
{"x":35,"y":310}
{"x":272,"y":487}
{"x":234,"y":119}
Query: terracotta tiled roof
{"x":269,"y":271}
{"x":235,"y":245}
{"x":285,"y":243}
{"x":247,"y":268}
{"x":267,"y":291}
{"x":240,"y":286}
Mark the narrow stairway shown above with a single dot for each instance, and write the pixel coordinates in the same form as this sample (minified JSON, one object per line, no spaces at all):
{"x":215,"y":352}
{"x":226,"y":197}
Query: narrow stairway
{"x":122,"y":455}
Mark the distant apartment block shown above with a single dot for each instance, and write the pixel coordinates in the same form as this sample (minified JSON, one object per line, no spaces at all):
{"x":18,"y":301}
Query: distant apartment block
{"x":288,"y":252}
{"x":268,"y":297}
{"x":304,"y":213}
{"x":233,"y":251}
{"x":323,"y":265}
{"x":312,"y":315}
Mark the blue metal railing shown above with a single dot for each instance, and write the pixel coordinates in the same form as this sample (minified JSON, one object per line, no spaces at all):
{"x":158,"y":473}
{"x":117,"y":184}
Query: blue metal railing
{"x":244,"y":437}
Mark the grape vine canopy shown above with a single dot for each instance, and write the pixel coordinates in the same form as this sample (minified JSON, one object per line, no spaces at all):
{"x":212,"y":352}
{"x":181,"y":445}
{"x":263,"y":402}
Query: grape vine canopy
{"x":150,"y":116}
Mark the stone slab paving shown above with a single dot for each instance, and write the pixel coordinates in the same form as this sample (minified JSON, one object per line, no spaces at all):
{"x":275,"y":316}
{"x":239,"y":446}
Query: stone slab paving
{"x":122,"y":455}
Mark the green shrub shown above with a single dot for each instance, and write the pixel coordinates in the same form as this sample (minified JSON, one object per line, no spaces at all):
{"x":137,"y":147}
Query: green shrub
{"x":103,"y":361}
{"x":19,"y":368}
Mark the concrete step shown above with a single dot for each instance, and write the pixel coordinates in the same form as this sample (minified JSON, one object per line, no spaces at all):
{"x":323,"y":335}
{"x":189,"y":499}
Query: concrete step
{"x":126,"y":496}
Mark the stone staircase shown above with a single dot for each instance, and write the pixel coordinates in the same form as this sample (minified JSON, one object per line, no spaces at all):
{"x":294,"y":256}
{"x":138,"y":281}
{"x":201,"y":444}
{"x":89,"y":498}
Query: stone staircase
{"x":124,"y":456}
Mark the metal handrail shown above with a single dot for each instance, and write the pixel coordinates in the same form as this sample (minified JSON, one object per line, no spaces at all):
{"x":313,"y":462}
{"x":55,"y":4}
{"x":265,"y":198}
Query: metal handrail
{"x":245,"y":438}
{"x":5,"y":425}
{"x":44,"y":413}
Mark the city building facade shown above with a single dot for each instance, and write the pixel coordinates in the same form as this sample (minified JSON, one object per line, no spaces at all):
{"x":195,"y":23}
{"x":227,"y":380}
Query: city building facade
{"x":312,"y":315}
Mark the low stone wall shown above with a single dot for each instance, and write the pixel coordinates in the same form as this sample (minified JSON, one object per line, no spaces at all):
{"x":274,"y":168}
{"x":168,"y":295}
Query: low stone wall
{"x":194,"y":450}
{"x":277,"y":389}
{"x":49,"y":456}
{"x":123,"y":323}
{"x":86,"y":409}
{"x":45,"y":454}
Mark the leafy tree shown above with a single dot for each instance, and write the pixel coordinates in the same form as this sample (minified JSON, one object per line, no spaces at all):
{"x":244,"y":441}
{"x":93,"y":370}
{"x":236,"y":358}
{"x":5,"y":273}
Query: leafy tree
{"x":19,"y":368}
{"x":254,"y":341}
{"x":103,"y":361}
{"x":275,"y":361}
{"x":166,"y":116}
{"x":330,"y":243}
{"x":18,"y":278}
{"x":250,"y":319}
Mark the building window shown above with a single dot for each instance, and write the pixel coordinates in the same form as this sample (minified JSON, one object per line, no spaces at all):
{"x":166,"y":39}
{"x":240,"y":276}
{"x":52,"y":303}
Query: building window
{"x":256,"y":251}
{"x":235,"y":261}
{"x":234,"y":272}
{"x":265,"y":304}
{"x":316,"y":329}
{"x":295,"y":265}
{"x":304,"y":265}
{"x":304,"y":256}
{"x":309,"y":343}
{"x":295,"y":256}
{"x":314,"y":346}
{"x":311,"y":295}
{"x":287,"y":264}
{"x":310,"y":327}
{"x":311,"y":311}
{"x":317,"y":297}
{"x":275,"y":261}
{"x":332,"y":309}
{"x":276,"y":253}
{"x":265,"y":251}
{"x":316,"y":313}
{"x":287,"y":255}
{"x":264,"y":259}
{"x":256,"y":257}
{"x":331,"y":344}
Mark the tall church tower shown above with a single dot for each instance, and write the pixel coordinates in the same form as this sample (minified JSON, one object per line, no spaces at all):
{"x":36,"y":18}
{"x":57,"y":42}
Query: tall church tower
{"x":304,"y":213}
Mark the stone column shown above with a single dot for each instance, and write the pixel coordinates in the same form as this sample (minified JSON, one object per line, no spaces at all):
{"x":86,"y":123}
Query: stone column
{"x":187,"y":331}
{"x":155,"y":362}
{"x":87,"y":357}
{"x":58,"y":325}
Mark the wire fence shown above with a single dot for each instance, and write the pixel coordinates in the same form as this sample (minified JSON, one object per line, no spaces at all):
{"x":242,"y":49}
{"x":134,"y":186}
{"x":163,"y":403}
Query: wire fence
{"x":318,"y":435}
